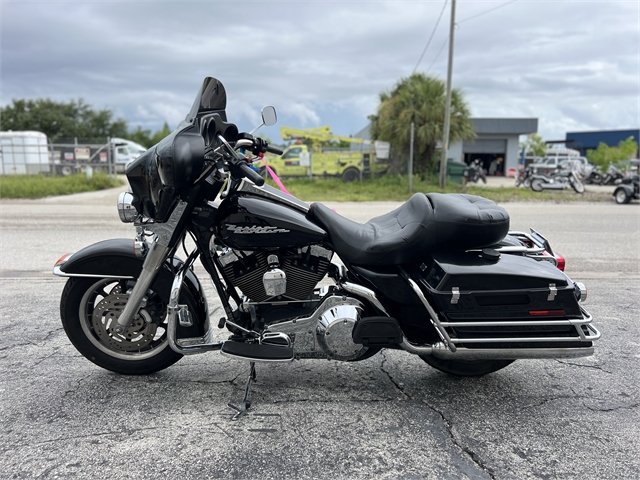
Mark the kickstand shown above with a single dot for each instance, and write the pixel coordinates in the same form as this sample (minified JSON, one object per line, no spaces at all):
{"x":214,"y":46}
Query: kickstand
{"x":246,"y":401}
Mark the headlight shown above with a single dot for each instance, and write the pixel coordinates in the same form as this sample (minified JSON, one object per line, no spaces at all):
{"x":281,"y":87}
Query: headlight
{"x":126,"y":210}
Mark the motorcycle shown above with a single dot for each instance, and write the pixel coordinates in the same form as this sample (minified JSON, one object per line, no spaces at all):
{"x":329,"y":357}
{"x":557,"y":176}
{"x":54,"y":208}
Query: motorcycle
{"x":613,"y":176}
{"x":562,"y":179}
{"x":627,"y":190}
{"x":524,"y":176}
{"x":593,"y":175}
{"x":475,"y":172}
{"x":440,"y":277}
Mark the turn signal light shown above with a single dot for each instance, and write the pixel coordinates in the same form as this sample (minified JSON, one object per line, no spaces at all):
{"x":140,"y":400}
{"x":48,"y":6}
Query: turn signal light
{"x":62,"y":259}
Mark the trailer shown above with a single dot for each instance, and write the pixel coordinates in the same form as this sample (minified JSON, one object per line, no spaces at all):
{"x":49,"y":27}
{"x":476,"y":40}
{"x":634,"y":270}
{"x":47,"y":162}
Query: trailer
{"x":24,"y":153}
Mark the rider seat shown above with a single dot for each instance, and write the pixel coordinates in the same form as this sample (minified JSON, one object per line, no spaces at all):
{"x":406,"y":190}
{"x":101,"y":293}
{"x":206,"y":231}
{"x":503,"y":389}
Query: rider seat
{"x":426,"y":223}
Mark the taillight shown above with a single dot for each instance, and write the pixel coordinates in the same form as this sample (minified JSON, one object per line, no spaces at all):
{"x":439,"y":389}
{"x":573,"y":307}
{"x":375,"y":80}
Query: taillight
{"x":561,"y":261}
{"x":547,"y":313}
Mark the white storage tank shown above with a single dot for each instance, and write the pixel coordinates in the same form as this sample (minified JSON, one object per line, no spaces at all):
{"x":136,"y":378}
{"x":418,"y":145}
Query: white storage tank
{"x":24,"y":153}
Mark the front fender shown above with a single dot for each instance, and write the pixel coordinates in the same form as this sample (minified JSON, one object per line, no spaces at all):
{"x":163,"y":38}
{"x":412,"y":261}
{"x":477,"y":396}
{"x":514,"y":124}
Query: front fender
{"x":97,"y":261}
{"x":116,"y":259}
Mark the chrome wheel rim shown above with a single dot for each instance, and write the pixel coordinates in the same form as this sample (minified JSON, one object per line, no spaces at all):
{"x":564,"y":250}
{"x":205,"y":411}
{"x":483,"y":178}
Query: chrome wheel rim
{"x":99,"y":309}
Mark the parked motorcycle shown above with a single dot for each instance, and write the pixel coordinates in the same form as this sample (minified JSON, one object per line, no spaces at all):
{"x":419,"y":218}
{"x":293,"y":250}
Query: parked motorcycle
{"x":593,"y":175}
{"x":475,"y":172}
{"x":562,"y":179}
{"x":440,"y":277}
{"x":628,"y":190}
{"x":524,"y":176}
{"x":613,"y":176}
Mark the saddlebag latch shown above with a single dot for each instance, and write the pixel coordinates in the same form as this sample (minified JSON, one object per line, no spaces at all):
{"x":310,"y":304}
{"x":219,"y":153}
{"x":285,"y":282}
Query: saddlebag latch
{"x":455,"y":295}
{"x":553,"y":291}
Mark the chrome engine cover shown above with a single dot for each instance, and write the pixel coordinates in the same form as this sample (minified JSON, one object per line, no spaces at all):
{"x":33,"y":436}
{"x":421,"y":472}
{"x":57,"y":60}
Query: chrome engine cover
{"x":327,"y":332}
{"x":335,"y":332}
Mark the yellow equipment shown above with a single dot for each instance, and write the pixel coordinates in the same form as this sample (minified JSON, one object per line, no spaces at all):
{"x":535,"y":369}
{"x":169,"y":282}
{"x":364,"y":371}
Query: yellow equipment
{"x":298,"y":160}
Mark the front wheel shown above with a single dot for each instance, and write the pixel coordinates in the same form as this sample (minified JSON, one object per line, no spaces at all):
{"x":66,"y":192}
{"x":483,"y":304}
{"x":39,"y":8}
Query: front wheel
{"x":577,"y":185}
{"x":466,"y":368}
{"x":89,"y":309}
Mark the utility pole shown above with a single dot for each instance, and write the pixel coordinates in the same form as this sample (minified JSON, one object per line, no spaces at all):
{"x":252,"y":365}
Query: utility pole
{"x":447,"y":110}
{"x":411,"y":161}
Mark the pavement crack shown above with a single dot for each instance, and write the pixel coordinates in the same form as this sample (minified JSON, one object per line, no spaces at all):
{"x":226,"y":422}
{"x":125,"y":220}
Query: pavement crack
{"x":596,"y":367}
{"x":398,"y":385}
{"x":612,"y":409}
{"x":475,"y":458}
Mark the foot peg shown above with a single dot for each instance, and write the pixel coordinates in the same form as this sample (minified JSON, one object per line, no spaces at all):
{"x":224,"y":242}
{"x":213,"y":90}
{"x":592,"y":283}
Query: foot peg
{"x":255,"y":352}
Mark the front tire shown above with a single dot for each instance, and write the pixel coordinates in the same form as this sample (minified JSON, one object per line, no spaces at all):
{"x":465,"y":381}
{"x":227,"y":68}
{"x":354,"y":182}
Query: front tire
{"x":577,"y":185}
{"x":466,"y":368}
{"x":89,"y":309}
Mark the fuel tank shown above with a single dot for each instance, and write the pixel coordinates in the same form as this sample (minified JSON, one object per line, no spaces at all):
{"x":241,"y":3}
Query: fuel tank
{"x":248,"y":222}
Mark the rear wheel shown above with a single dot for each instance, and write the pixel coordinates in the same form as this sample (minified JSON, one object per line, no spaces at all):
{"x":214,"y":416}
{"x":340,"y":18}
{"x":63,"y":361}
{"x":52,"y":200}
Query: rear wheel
{"x":351,"y":174}
{"x":89,"y":310}
{"x":536,"y":184}
{"x":621,"y":196}
{"x":466,"y":368}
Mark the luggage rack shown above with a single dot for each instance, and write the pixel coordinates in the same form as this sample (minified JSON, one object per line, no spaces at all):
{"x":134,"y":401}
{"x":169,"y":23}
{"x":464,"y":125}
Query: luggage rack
{"x":585,"y":332}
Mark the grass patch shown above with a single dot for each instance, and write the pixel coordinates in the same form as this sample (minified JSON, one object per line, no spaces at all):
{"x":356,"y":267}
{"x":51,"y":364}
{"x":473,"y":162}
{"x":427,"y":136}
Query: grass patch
{"x":396,"y":188}
{"x":38,"y":186}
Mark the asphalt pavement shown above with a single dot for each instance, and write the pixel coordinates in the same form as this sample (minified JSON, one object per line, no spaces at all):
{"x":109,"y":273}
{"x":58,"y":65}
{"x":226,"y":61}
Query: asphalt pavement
{"x":391,"y":416}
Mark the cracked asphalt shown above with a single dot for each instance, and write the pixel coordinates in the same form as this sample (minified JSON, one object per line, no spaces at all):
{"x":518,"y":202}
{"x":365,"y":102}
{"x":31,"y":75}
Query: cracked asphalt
{"x":391,"y":416}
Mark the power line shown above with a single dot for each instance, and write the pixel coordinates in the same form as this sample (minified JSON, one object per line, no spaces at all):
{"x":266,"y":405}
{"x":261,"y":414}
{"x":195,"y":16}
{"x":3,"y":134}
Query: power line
{"x":438,"y":54}
{"x":487,"y":11}
{"x":430,"y":38}
{"x":461,"y":21}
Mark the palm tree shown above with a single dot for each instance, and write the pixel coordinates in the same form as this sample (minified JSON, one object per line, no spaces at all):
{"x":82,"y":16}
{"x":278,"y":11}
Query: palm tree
{"x":420,"y":99}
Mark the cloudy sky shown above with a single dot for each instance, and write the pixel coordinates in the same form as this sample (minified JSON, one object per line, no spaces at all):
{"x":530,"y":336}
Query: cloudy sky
{"x":574,"y":65}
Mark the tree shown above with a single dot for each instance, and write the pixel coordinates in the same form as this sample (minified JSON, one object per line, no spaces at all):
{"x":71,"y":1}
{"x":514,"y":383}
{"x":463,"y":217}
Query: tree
{"x":60,"y":120}
{"x":534,"y":145}
{"x":420,"y":99}
{"x":605,"y":155}
{"x":145,"y":138}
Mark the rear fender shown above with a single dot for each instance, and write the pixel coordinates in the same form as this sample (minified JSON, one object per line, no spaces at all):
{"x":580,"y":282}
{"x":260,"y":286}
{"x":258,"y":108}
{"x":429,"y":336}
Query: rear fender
{"x":116,"y":259}
{"x":627,"y":188}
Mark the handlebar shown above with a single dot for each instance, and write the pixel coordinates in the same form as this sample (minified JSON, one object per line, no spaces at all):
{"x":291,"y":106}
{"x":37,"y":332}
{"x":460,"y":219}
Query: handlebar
{"x":250,"y":173}
{"x":275,"y":150}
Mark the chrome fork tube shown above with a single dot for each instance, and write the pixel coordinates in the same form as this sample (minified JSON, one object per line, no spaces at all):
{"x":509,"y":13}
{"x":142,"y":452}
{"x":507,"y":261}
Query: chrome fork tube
{"x":158,"y":253}
{"x":155,"y":258}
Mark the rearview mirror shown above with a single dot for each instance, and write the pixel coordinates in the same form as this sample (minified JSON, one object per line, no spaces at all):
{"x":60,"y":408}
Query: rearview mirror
{"x":269,"y":116}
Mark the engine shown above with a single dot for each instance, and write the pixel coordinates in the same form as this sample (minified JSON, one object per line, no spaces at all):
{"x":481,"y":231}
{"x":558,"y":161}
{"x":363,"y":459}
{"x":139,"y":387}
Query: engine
{"x":262,"y":275}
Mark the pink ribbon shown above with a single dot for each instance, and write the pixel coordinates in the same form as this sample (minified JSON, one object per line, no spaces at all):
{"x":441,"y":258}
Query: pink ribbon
{"x":275,"y":177}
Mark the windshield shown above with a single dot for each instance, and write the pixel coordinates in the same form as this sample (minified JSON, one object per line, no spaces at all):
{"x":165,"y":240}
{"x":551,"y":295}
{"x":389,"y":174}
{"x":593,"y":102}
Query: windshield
{"x":211,"y":98}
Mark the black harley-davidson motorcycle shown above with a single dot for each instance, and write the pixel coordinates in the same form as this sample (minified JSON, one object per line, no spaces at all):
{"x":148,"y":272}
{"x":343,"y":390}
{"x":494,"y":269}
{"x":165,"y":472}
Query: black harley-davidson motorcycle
{"x":440,"y":277}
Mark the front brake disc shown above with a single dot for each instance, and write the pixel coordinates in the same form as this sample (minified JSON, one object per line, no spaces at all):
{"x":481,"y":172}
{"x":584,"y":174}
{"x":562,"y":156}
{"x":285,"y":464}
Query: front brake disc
{"x":140,"y":333}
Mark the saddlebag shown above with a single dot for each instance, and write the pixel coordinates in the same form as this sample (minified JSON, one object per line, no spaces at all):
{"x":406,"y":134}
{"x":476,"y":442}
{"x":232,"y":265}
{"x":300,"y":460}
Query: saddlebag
{"x":488,"y":300}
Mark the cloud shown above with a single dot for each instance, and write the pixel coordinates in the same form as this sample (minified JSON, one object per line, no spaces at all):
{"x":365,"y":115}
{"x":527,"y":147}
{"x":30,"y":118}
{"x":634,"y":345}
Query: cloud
{"x":572,"y":64}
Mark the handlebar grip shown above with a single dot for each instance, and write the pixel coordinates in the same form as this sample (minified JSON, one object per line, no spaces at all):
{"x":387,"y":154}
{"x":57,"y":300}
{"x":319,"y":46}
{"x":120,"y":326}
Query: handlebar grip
{"x":251,"y":174}
{"x":275,"y":150}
